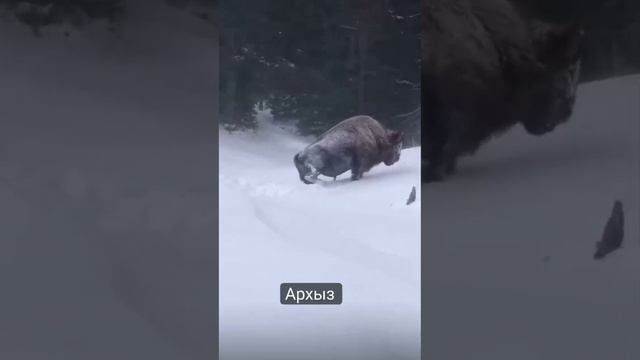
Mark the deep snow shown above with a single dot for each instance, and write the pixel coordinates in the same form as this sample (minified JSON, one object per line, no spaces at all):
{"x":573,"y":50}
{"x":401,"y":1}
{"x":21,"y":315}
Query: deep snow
{"x":107,"y":192}
{"x":509,"y":242}
{"x":106,"y":208}
{"x":275,"y":229}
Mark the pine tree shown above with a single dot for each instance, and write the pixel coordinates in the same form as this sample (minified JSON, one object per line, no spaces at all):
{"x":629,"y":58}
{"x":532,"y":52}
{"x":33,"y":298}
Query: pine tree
{"x":318,"y":62}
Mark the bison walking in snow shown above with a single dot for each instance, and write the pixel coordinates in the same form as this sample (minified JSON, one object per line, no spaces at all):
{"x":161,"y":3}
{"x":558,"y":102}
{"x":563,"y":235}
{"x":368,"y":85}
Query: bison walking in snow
{"x":357,"y":144}
{"x":487,"y":67}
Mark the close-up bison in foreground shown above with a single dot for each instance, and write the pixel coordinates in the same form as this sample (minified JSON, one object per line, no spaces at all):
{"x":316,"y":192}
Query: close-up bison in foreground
{"x":487,"y":67}
{"x":357,"y":144}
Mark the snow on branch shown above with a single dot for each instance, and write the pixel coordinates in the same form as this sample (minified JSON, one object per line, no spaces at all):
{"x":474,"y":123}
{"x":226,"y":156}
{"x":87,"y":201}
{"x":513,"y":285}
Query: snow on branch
{"x":413,"y":112}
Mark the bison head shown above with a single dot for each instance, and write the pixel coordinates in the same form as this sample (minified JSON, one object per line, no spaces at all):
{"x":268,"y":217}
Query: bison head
{"x":552,"y":94}
{"x":391,"y":153}
{"x":305,"y":172}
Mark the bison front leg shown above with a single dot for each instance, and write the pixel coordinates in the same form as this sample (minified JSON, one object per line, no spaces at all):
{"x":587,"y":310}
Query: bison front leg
{"x":451,"y":157}
{"x":356,"y":174}
{"x":434,"y":138}
{"x":432,"y":173}
{"x":434,"y":166}
{"x":443,"y":136}
{"x":356,"y":168}
{"x":441,"y":163}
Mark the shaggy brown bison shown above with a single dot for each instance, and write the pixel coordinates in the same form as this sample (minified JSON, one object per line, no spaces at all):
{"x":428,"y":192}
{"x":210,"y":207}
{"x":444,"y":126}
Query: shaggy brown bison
{"x":357,"y":144}
{"x":487,"y":67}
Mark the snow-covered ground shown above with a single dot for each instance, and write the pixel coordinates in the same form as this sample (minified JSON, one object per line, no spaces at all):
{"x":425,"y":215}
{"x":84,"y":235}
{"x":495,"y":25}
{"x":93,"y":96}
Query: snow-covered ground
{"x":275,"y":229}
{"x":107,"y":190}
{"x":509,"y":270}
{"x":107,"y":201}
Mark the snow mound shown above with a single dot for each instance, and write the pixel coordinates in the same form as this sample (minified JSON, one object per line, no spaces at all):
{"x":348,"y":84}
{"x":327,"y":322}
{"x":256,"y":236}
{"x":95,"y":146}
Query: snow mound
{"x":106,"y":190}
{"x":275,"y":229}
{"x":509,"y":269}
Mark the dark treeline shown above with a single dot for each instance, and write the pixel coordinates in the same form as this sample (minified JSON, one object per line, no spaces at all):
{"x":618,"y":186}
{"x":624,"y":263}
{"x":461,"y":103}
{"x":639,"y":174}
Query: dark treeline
{"x":324,"y":60}
{"x":40,"y":13}
{"x":321,"y":61}
{"x":612,"y":32}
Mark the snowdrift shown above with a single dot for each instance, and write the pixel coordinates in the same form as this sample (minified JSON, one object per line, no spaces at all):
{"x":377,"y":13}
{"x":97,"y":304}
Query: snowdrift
{"x":275,"y":229}
{"x":509,"y":241}
{"x":107,"y":202}
{"x":107,"y":215}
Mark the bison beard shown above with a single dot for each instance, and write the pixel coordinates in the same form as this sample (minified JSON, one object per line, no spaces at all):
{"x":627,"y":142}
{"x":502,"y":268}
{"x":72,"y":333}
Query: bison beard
{"x":357,"y":144}
{"x":486,"y":68}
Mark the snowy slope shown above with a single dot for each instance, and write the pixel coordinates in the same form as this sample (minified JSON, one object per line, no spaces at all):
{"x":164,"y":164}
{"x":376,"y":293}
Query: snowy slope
{"x":106,"y":208}
{"x":106,"y":190}
{"x":275,"y":229}
{"x":509,"y":241}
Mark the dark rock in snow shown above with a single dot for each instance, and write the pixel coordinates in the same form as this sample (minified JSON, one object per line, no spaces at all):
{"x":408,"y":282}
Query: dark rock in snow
{"x":613,"y":232}
{"x":412,"y":196}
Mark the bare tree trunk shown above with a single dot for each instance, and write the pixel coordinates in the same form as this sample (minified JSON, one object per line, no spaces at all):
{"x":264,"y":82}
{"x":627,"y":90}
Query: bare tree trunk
{"x":216,"y":74}
{"x":614,"y":55}
{"x":230,"y":88}
{"x":351,"y":58}
{"x":362,"y":48}
{"x":230,"y":97}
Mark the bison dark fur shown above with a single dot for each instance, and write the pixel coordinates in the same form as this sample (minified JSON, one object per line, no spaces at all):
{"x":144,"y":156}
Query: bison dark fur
{"x":487,"y":67}
{"x":357,"y":144}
